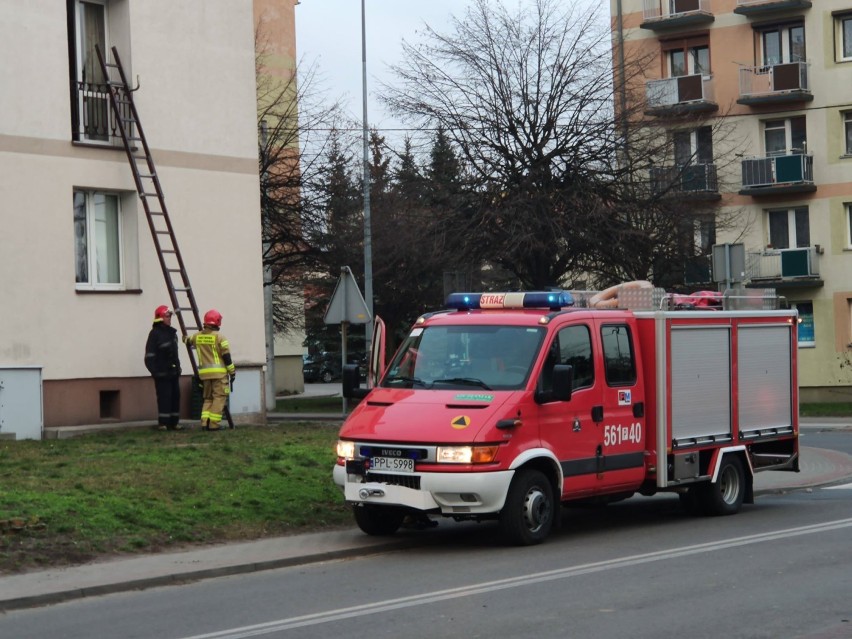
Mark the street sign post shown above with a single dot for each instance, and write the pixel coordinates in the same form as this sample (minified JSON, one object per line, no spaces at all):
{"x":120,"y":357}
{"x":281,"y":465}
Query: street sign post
{"x":347,"y":306}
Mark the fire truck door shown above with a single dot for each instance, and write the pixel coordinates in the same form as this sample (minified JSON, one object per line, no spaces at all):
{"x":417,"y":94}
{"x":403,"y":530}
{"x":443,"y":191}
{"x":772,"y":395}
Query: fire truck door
{"x":569,"y":428}
{"x":622,"y":428}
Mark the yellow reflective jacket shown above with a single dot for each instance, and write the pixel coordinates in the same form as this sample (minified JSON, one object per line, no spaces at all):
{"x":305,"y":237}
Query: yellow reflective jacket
{"x":214,"y":353}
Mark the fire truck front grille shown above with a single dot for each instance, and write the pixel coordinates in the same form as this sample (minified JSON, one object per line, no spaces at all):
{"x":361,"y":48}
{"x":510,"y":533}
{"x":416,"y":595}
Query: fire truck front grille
{"x":406,"y":481}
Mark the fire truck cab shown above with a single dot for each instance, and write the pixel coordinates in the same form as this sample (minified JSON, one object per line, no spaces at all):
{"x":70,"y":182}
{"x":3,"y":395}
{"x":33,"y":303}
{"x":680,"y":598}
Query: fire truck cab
{"x":505,"y":405}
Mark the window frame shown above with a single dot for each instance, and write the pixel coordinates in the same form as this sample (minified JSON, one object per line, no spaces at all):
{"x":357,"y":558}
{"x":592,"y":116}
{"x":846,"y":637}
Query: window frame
{"x":689,"y":48}
{"x":788,"y":129}
{"x":91,"y":244}
{"x":615,"y":383}
{"x":792,"y":226}
{"x":842,"y":28}
{"x":848,"y":208}
{"x":90,"y":98}
{"x":846,"y":123}
{"x":786,"y":45}
{"x":560,"y":342}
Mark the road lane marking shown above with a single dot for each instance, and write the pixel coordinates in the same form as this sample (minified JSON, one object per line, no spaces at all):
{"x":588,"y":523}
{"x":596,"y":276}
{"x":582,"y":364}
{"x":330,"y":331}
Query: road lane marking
{"x":836,"y":487}
{"x":568,"y":572}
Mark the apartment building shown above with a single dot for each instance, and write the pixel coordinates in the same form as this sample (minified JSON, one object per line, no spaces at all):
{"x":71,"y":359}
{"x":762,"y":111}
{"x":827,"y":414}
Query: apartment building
{"x":80,"y":273}
{"x":757,"y":98}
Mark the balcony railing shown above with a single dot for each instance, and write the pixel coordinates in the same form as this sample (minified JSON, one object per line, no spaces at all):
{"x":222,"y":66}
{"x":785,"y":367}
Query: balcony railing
{"x":694,"y":178}
{"x":774,"y":83}
{"x":665,"y":14}
{"x":686,"y":92}
{"x":793,"y":170}
{"x":95,"y":121}
{"x":783,"y":264}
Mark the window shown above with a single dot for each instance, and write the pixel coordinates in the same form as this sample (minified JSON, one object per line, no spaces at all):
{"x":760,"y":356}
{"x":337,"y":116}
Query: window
{"x":789,"y":228}
{"x":848,"y":206}
{"x":783,"y":137}
{"x":690,"y":56}
{"x":97,"y":240}
{"x":807,"y":337}
{"x":92,"y":108}
{"x":618,"y":355}
{"x":693,"y":147}
{"x":847,"y":129}
{"x":843,"y":36}
{"x":781,"y":44}
{"x":704,"y":235}
{"x":574,"y":348}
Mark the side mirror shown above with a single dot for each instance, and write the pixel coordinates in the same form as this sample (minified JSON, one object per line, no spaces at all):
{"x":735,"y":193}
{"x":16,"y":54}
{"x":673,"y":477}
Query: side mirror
{"x":562,"y":380}
{"x":352,"y":383}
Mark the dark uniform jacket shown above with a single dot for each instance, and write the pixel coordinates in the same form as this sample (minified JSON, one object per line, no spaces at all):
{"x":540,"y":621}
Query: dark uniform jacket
{"x":161,"y":351}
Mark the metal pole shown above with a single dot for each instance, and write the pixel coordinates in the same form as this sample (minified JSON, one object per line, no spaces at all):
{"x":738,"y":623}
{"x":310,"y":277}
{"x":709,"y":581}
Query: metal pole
{"x":269,"y":378}
{"x":368,"y":238}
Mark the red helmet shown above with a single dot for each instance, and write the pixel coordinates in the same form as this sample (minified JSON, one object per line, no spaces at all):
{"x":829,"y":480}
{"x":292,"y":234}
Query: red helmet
{"x":161,"y":312}
{"x":213,"y":318}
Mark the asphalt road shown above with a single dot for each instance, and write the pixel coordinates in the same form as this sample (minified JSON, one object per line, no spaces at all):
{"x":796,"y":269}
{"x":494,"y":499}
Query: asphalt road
{"x":641,"y":568}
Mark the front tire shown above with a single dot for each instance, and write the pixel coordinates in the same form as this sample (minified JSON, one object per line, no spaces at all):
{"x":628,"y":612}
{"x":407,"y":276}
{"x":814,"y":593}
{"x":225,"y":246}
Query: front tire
{"x":725,"y":495}
{"x":327,"y":377}
{"x":378,"y":521}
{"x":527,"y":515}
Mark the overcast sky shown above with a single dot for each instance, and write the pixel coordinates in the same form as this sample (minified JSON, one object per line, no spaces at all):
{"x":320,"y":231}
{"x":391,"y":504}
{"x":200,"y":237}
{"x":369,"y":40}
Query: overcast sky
{"x":328,"y":33}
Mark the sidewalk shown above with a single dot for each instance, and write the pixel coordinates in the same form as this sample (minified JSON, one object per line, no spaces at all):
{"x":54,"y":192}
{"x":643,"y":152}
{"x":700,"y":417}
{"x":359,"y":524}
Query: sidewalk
{"x":818,"y":466}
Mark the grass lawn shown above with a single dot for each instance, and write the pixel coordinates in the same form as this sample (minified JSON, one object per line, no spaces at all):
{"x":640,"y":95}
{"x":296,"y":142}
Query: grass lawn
{"x":71,"y":500}
{"x":841,"y":409}
{"x":313,"y":405}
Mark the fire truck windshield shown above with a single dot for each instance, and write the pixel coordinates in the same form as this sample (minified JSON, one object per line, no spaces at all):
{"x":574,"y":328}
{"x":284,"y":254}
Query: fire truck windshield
{"x":448,"y":357}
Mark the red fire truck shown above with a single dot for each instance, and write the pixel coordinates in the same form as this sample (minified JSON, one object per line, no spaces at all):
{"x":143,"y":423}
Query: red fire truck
{"x":505,"y":405}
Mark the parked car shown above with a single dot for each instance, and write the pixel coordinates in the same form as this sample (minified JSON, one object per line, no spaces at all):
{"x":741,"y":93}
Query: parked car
{"x":323,"y":367}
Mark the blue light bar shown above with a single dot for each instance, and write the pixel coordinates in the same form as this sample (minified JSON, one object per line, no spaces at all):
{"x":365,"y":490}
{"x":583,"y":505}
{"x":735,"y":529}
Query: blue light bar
{"x":552,"y":300}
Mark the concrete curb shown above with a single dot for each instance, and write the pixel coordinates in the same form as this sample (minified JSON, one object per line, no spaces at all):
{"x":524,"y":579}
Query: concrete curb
{"x":63,"y":594}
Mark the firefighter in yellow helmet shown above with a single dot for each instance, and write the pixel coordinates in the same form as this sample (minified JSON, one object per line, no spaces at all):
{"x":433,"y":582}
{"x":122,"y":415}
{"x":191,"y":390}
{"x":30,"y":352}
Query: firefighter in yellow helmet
{"x":214,"y":368}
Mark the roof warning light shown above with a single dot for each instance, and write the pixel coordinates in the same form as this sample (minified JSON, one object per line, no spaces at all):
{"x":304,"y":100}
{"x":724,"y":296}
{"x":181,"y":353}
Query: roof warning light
{"x":552,"y":300}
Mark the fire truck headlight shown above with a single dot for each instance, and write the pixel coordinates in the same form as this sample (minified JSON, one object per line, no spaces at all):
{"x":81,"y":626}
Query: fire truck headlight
{"x":345,"y":450}
{"x":466,"y":454}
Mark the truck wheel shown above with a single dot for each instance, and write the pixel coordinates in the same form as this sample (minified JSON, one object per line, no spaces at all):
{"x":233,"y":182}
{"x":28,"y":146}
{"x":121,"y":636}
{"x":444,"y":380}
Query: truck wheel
{"x":725,"y":496}
{"x":527,"y":515}
{"x":327,"y":377}
{"x":378,"y":520}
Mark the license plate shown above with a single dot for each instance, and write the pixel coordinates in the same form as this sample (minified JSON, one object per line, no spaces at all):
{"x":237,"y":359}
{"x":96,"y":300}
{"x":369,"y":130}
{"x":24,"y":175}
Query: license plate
{"x":392,"y":464}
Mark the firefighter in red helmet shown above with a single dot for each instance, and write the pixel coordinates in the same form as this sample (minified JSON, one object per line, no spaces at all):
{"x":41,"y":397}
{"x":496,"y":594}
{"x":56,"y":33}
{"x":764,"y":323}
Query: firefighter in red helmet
{"x":215,"y":368}
{"x":163,"y":362}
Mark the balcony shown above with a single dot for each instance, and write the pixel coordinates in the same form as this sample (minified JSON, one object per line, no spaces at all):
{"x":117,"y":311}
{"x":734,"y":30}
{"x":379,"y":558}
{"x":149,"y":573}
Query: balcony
{"x":660,"y":15}
{"x":775,"y":84}
{"x":768,"y":7}
{"x":679,"y":96}
{"x":784,"y":268}
{"x":94,"y":120}
{"x":694,"y":181}
{"x":778,"y":174}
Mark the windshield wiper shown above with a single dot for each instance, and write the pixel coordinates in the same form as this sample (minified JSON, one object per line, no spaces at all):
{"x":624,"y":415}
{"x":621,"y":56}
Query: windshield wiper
{"x":414,"y":381}
{"x":468,"y":381}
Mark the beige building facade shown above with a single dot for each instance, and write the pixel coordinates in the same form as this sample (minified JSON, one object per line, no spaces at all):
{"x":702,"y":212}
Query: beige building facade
{"x":757,"y":96}
{"x":80,"y":273}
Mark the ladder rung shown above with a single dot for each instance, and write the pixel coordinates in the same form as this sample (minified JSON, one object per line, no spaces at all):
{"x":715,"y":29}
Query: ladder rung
{"x":161,"y":232}
{"x":168,"y":251}
{"x":145,"y":175}
{"x":179,"y":289}
{"x":147,"y":195}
